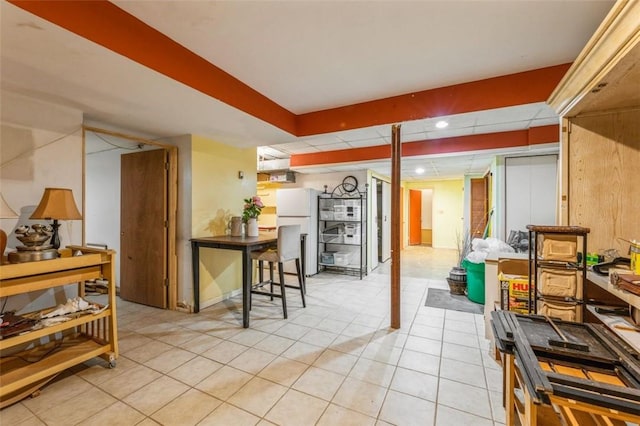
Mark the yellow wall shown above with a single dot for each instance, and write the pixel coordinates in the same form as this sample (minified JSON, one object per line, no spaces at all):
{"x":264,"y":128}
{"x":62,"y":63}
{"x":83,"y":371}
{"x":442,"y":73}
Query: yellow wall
{"x":448,"y":206}
{"x":217,"y":194}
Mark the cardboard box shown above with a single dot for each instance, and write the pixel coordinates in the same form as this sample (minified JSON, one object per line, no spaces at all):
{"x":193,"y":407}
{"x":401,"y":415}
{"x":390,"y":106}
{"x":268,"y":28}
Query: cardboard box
{"x":513,"y":266}
{"x":514,"y":293}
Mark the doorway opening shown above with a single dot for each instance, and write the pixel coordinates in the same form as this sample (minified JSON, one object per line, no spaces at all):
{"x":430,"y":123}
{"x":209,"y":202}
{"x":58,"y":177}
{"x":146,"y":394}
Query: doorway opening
{"x":421,"y":217}
{"x":131,"y":208}
{"x":380,"y":250}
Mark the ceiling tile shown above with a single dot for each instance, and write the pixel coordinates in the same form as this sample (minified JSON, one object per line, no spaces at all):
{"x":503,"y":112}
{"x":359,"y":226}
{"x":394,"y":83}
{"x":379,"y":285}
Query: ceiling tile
{"x":368,"y":142}
{"x":322,"y":140}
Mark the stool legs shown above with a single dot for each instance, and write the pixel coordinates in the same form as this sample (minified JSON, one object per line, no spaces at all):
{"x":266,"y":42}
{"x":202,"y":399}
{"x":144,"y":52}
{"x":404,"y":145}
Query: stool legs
{"x":271,"y":278}
{"x":301,"y":282}
{"x":282,"y":289}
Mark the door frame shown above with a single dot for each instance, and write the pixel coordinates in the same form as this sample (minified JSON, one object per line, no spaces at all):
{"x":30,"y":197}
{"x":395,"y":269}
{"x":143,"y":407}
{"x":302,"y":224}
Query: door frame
{"x":386,"y":229}
{"x":172,"y":201}
{"x":374,"y":259}
{"x":485,"y":201}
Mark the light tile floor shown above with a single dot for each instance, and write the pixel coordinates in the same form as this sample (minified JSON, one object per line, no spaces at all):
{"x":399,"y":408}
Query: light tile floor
{"x":336,"y":362}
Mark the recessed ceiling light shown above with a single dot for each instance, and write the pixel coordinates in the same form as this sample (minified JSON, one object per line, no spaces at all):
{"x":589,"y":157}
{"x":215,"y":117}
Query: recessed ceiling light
{"x":419,"y":170}
{"x":441,"y":124}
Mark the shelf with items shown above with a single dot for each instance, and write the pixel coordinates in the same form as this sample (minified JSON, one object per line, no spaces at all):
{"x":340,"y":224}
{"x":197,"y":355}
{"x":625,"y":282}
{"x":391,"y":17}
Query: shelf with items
{"x":342,"y":234}
{"x":605,"y":284}
{"x":622,"y":326}
{"x":26,"y":361}
{"x":556,"y":272}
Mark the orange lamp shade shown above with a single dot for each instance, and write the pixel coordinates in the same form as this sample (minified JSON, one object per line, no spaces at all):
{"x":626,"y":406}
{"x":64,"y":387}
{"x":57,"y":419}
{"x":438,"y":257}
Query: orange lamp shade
{"x":57,"y":203}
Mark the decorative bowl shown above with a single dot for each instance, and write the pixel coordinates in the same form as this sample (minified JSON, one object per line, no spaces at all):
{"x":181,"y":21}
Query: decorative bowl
{"x":32,"y":240}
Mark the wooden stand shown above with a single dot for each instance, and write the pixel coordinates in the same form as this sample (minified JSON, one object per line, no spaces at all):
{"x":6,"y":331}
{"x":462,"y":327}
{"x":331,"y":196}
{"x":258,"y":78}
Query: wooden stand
{"x":71,"y":342}
{"x":560,"y":411}
{"x":546,"y":384}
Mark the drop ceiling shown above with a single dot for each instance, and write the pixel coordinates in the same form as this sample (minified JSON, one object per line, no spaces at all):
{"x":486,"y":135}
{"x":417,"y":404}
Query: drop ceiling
{"x":305,"y":57}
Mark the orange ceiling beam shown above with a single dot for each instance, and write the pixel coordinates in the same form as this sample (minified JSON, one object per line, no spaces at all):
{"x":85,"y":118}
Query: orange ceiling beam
{"x":498,"y":92}
{"x":532,"y":136}
{"x":111,"y":27}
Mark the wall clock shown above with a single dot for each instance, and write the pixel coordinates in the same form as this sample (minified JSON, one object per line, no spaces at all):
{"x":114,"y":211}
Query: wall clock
{"x":350,"y":183}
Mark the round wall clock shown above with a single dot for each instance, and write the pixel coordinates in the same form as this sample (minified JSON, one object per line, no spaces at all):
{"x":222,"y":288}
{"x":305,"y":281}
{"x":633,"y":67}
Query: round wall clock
{"x":350,"y":184}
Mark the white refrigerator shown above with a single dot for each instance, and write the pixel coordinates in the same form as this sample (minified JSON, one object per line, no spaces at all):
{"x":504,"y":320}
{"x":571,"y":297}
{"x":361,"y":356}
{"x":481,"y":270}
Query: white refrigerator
{"x":299,"y":206}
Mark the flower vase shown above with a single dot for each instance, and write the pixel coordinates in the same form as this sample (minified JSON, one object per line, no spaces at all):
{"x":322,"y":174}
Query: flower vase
{"x":252,"y":227}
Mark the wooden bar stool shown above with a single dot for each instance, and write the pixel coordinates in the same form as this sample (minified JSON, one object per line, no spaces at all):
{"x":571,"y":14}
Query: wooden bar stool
{"x":288,"y":249}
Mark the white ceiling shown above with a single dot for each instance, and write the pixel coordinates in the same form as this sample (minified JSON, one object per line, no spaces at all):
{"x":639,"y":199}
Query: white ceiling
{"x":305,"y":56}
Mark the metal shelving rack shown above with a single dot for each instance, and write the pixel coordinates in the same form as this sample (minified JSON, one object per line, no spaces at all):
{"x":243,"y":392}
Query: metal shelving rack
{"x":342,"y":233}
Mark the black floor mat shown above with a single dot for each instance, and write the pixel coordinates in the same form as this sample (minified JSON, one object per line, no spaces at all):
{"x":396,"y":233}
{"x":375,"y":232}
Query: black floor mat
{"x":438,"y":298}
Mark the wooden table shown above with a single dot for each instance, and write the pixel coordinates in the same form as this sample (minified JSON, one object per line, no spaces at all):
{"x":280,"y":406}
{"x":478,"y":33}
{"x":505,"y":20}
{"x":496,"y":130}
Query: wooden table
{"x":226,"y":242}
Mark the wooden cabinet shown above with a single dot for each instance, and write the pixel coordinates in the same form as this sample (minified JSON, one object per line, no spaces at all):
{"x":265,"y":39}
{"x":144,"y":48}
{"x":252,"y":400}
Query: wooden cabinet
{"x":599,"y":104}
{"x":50,"y":350}
{"x":598,"y":101}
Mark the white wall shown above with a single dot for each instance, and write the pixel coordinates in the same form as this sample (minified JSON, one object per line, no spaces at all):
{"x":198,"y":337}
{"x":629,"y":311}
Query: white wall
{"x":40,"y":146}
{"x":102,"y":208}
{"x":317,"y":181}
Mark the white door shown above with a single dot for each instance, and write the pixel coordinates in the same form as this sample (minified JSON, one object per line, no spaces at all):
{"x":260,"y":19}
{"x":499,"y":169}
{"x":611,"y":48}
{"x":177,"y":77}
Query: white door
{"x":373,"y":250}
{"x":386,"y":221}
{"x":530,"y":196}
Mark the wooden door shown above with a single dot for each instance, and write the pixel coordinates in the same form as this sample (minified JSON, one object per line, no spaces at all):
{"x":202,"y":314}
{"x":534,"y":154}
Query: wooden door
{"x":415,"y":217}
{"x":143,"y":228}
{"x":479,"y":207}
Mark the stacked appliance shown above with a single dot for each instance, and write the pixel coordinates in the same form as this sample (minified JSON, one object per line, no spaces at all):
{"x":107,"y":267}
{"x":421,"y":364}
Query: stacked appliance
{"x":299,"y":206}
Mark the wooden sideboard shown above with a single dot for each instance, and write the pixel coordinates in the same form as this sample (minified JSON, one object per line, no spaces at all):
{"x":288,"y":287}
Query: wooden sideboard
{"x":50,"y":350}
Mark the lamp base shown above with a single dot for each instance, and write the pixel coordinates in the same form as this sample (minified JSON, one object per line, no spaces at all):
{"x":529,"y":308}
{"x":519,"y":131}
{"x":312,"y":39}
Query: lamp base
{"x":32,"y":255}
{"x":55,"y":238}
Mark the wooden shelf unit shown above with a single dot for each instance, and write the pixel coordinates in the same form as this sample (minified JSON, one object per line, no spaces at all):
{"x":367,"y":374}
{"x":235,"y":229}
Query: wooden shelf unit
{"x":538,"y":264}
{"x":599,"y":104}
{"x":71,"y":342}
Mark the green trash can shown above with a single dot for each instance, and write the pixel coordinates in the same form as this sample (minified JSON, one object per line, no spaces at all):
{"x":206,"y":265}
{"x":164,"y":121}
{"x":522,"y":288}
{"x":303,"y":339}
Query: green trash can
{"x":475,"y":281}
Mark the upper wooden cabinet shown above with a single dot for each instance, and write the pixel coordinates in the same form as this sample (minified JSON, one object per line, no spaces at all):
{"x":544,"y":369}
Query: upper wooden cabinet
{"x":599,"y":104}
{"x":606,"y":74}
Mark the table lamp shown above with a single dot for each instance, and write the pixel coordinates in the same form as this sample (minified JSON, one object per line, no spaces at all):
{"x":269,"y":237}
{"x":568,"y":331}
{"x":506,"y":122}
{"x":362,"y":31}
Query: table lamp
{"x":6,"y":212}
{"x":56,"y":204}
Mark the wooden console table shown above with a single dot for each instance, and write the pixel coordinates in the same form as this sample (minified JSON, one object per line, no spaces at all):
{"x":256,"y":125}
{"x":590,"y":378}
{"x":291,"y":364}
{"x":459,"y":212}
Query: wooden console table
{"x":71,"y":342}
